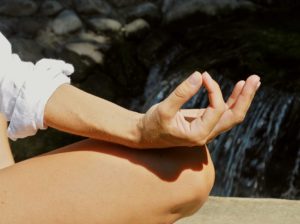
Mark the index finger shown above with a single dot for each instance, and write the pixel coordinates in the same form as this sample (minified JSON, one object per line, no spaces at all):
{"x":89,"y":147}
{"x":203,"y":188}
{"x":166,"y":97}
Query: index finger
{"x":216,"y":108}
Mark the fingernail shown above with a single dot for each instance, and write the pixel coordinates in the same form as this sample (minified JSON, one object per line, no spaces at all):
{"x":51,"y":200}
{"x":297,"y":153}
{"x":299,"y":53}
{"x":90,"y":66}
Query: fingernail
{"x":194,"y":79}
{"x":208,"y":75}
{"x":258,"y":85}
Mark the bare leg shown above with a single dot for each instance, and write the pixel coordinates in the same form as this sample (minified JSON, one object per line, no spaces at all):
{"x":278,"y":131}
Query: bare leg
{"x":95,"y":182}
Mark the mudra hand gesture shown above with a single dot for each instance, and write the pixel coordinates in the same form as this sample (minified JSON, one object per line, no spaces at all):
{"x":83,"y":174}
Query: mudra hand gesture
{"x":167,"y":125}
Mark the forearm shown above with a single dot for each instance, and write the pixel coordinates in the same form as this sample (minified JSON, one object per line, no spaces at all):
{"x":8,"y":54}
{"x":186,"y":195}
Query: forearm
{"x":6,"y":158}
{"x":72,"y":110}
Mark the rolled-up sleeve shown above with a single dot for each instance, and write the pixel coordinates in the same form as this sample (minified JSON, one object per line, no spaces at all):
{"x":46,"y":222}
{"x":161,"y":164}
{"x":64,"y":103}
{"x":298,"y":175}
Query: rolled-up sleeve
{"x":25,"y":89}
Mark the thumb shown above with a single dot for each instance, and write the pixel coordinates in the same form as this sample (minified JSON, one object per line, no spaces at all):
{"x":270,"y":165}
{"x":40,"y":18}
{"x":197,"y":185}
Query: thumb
{"x":183,"y":93}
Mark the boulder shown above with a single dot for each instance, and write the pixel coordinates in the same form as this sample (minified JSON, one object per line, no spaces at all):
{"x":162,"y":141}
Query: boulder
{"x":92,"y":37}
{"x":7,"y":26}
{"x":122,"y":3}
{"x":136,"y":29}
{"x":27,"y":49}
{"x":146,"y":10}
{"x":105,"y":25}
{"x":180,"y":9}
{"x":87,"y":50}
{"x":51,"y":7}
{"x":49,"y":41}
{"x":101,"y":7}
{"x":83,"y":66}
{"x":18,"y":7}
{"x":30,"y":25}
{"x":66,"y":22}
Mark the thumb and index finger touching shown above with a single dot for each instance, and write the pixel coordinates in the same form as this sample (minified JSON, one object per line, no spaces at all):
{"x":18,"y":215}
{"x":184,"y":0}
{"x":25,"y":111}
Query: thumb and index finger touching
{"x":183,"y":93}
{"x":188,"y":88}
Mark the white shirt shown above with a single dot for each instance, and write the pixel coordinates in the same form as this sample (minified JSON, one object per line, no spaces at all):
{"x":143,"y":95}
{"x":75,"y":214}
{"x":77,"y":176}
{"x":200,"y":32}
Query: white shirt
{"x":25,"y":89}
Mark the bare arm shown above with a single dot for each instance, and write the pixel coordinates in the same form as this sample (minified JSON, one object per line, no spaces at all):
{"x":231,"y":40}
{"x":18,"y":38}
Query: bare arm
{"x":6,"y":158}
{"x":75,"y":111}
{"x":164,"y":125}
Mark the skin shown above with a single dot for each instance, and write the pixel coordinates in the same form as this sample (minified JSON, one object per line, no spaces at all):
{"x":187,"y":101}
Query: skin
{"x":162,"y":126}
{"x":95,"y":181}
{"x":6,"y":158}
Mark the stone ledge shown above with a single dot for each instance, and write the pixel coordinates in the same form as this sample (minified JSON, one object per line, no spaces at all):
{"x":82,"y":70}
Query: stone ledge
{"x":246,"y":211}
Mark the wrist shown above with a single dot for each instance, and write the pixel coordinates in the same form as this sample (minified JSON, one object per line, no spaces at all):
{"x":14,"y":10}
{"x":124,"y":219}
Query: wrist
{"x":148,"y":133}
{"x":137,"y":133}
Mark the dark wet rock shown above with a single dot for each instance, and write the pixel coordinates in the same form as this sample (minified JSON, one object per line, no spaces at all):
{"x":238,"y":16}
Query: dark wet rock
{"x":83,"y":65}
{"x":122,"y":65}
{"x":101,"y":7}
{"x":51,"y":7}
{"x":49,"y":41}
{"x":100,"y":84}
{"x":93,"y":37}
{"x":8,"y":26}
{"x":18,"y":7}
{"x":152,"y":46}
{"x":66,"y":22}
{"x":31,"y":26}
{"x":86,"y":50}
{"x":103,"y":42}
{"x":136,"y":29}
{"x":27,"y":49}
{"x":105,"y":25}
{"x":122,"y":3}
{"x":147,"y":10}
{"x":67,"y":3}
{"x":180,"y":9}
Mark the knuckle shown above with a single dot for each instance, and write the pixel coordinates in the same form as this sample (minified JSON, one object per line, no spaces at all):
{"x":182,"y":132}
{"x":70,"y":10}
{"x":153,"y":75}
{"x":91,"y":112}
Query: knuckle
{"x":221,"y":109}
{"x":202,"y":142}
{"x":161,"y":111}
{"x":183,"y":91}
{"x":180,"y":92}
{"x":240,"y":117}
{"x":198,"y":141}
{"x":204,"y":133}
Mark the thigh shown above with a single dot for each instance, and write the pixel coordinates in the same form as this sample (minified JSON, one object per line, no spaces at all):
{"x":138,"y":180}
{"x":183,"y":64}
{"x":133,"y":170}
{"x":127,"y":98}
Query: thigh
{"x":98,"y":182}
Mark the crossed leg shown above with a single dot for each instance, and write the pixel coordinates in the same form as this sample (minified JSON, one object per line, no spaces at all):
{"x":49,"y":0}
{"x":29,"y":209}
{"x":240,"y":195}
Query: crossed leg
{"x":96,"y":182}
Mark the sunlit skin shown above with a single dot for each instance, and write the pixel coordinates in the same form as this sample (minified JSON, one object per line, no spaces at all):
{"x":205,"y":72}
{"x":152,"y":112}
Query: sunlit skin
{"x":141,"y":168}
{"x":166,"y":125}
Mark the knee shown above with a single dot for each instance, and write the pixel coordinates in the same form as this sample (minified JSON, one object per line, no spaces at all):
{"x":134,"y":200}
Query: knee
{"x":196,"y":189}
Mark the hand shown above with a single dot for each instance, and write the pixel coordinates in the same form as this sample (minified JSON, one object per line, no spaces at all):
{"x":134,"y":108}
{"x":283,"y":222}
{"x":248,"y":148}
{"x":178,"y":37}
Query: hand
{"x":237,"y":106}
{"x":166,"y":125}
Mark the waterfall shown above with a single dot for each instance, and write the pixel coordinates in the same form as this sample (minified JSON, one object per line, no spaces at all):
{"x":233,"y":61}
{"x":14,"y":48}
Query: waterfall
{"x":244,"y":156}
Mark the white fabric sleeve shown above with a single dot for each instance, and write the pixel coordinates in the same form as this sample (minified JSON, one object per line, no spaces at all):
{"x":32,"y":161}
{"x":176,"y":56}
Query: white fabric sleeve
{"x":25,"y":89}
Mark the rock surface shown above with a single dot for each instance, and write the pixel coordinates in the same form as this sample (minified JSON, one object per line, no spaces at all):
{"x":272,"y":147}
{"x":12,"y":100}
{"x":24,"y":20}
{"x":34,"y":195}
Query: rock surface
{"x":246,"y":211}
{"x":105,"y":25}
{"x":178,"y":9}
{"x":93,"y":7}
{"x":66,"y":22}
{"x":18,"y":7}
{"x":51,"y":7}
{"x":136,"y":28}
{"x":87,"y":50}
{"x":147,"y":10}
